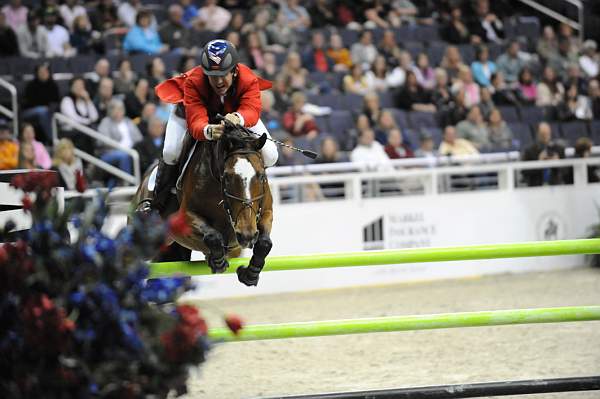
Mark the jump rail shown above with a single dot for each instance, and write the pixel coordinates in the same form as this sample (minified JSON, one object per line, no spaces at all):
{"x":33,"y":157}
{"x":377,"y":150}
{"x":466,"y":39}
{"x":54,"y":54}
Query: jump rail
{"x":500,"y":388}
{"x":418,"y":255}
{"x":408,"y":323}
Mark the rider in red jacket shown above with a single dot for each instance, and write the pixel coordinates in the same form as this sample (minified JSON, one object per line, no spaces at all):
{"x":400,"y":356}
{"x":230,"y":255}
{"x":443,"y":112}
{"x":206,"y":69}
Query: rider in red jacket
{"x":220,"y":85}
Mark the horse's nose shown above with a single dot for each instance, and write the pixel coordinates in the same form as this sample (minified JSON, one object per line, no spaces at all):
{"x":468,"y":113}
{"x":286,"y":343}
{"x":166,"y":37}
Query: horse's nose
{"x":245,"y":240}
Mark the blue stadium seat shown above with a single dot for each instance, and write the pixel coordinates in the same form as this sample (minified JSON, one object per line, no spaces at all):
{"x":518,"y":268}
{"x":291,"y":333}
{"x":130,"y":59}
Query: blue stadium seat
{"x":349,"y":37}
{"x":414,"y":48}
{"x":322,"y":123}
{"x":404,"y":33}
{"x":595,"y":131}
{"x":340,"y":123}
{"x":332,"y":100}
{"x":571,"y":131}
{"x":532,"y":115}
{"x":386,"y":99}
{"x":509,"y":114}
{"x":335,"y":80}
{"x":522,"y":133}
{"x":426,"y":33}
{"x":418,"y":119}
{"x":467,"y":51}
{"x":529,"y":27}
{"x":435,"y":51}
{"x":400,"y":117}
{"x":436,"y":134}
{"x":352,"y":102}
{"x":81,"y":64}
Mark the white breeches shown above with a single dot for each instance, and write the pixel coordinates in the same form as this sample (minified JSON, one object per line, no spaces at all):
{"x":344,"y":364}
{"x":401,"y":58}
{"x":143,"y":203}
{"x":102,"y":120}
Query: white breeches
{"x":175,"y":132}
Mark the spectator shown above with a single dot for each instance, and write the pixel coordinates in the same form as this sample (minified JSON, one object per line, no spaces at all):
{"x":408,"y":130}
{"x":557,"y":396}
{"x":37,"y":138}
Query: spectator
{"x":376,"y":13}
{"x":589,"y":61}
{"x":32,"y":38}
{"x":486,"y":105}
{"x":142,"y":38}
{"x":376,"y":77}
{"x":295,"y":15}
{"x":269,"y":115}
{"x":549,"y":91}
{"x":396,"y":148}
{"x":40,"y":154}
{"x":259,"y":6}
{"x":69,"y":10}
{"x":364,"y":52}
{"x":369,"y":151}
{"x":213,"y":17}
{"x":269,"y":68}
{"x":500,"y":135}
{"x":103,"y":96}
{"x":457,"y":111}
{"x":105,"y":17}
{"x":403,"y":12}
{"x":26,"y":157}
{"x":389,"y":48}
{"x":574,"y":78}
{"x":452,"y":63}
{"x":186,"y":63}
{"x":583,"y":149}
{"x":150,"y":147}
{"x":486,"y":26}
{"x":296,"y":76}
{"x":254,"y":49}
{"x":155,"y":72}
{"x":511,"y":62}
{"x":128,"y":13}
{"x":118,"y":127}
{"x":315,"y":59}
{"x":148,"y":112}
{"x":173,"y":32}
{"x":84,"y":40}
{"x":483,"y":68}
{"x":330,"y":152}
{"x":413,"y":97}
{"x":66,"y":164}
{"x":474,"y":129}
{"x":594,"y":98}
{"x":565,"y":31}
{"x":465,"y":83}
{"x":101,"y":70}
{"x":78,"y":106}
{"x":259,"y":25}
{"x":441,"y":97}
{"x":573,"y":106}
{"x":297,"y":122}
{"x":321,"y":14}
{"x":456,"y":31}
{"x":339,"y":54}
{"x":8,"y":39}
{"x":502,"y":94}
{"x":565,"y":56}
{"x":527,"y":87}
{"x":424,"y":73}
{"x":453,"y":146}
{"x":40,"y":99}
{"x":125,"y":77}
{"x":547,"y":46}
{"x":190,"y":12}
{"x":287,"y":156}
{"x":58,"y":36}
{"x":15,"y":13}
{"x":372,"y":108}
{"x":280,"y":94}
{"x":356,"y":81}
{"x":9,"y":149}
{"x":281,"y":34}
{"x":236,"y":23}
{"x":426,"y":147}
{"x":135,"y":100}
{"x":544,"y":149}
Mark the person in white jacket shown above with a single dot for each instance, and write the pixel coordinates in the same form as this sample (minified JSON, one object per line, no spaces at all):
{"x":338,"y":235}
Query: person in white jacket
{"x":369,"y":152}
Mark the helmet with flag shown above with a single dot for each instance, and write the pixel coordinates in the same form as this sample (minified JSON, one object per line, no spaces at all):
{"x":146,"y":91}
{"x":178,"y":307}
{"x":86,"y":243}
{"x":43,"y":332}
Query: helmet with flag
{"x":219,"y":57}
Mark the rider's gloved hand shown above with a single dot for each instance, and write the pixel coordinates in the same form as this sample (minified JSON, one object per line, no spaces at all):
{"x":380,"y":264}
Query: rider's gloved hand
{"x":213,"y":132}
{"x":233,"y":118}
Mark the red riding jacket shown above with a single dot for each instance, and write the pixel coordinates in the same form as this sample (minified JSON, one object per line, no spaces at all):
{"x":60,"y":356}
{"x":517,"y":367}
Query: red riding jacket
{"x":202,"y":104}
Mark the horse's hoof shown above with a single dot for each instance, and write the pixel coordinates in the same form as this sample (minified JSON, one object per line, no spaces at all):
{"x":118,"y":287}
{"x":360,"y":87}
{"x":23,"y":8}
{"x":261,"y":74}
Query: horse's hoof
{"x":247,"y":276}
{"x":218,"y":266}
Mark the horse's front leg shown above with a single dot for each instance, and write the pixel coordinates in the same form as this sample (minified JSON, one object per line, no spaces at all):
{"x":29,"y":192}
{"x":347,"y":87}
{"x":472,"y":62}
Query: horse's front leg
{"x":213,"y":240}
{"x":249,"y":275}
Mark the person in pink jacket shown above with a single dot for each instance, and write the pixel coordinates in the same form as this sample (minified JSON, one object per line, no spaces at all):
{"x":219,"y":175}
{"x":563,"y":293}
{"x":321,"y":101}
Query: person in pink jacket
{"x":42,"y":158}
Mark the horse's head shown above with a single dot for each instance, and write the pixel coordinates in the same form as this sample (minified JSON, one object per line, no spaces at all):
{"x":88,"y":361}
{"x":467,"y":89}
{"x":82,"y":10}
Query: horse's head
{"x":243,"y":183}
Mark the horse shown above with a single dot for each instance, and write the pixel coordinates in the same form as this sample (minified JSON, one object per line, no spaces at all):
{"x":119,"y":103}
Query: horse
{"x":225,"y":196}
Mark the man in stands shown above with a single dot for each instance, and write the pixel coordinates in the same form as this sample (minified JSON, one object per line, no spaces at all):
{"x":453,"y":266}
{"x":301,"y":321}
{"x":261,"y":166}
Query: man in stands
{"x":455,"y":146}
{"x":544,"y":149}
{"x":220,"y":85}
{"x":9,"y":149}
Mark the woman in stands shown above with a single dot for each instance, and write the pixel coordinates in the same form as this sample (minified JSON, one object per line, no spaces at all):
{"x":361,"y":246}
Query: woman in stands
{"x":41,"y":156}
{"x":40,"y":99}
{"x":66,"y":164}
{"x":79,"y":107}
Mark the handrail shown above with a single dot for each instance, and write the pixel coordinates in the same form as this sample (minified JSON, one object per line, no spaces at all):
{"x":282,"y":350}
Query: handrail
{"x":579,"y":26}
{"x":133,"y":179}
{"x":14,"y":114}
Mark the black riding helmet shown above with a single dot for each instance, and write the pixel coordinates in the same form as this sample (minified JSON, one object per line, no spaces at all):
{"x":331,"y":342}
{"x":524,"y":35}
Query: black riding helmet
{"x":219,"y":57}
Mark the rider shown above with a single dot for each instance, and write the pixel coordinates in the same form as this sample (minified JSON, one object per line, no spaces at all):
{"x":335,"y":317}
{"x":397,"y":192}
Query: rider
{"x":220,"y":85}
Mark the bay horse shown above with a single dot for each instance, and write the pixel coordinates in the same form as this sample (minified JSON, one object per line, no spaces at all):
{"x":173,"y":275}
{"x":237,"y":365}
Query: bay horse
{"x":225,"y":197}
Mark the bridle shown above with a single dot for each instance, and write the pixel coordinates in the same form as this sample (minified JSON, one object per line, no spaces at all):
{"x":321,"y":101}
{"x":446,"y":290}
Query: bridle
{"x":246,"y":203}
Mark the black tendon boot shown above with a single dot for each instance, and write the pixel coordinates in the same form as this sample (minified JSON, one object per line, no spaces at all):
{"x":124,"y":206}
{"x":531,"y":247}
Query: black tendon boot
{"x":165,"y":180}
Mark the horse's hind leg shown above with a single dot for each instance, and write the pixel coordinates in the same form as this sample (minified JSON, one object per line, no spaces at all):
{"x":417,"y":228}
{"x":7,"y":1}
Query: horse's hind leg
{"x":212,"y":240}
{"x":174,"y":253}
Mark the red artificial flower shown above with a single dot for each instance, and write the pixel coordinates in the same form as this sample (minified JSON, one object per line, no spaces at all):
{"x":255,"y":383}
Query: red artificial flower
{"x":35,"y":181}
{"x":234,"y":323}
{"x":190,"y":316}
{"x":27,"y":203}
{"x":178,"y":224}
{"x":80,"y":182}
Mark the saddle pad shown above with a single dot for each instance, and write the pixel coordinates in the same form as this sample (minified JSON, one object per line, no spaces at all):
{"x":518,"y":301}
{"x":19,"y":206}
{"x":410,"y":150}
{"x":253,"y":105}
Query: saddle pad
{"x":185,"y":165}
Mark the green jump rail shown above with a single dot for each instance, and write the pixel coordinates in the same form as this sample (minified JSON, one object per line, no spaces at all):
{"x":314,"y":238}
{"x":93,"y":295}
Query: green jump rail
{"x":390,"y":257}
{"x":408,"y":323}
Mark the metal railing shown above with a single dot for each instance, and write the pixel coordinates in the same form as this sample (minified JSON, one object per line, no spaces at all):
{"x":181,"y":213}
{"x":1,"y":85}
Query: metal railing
{"x":578,"y":25}
{"x":134,"y":178}
{"x":13,"y":114}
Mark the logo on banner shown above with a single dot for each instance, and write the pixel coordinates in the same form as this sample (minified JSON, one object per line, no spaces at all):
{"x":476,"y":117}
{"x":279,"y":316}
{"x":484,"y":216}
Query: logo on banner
{"x":373,"y":235}
{"x":551,"y":226}
{"x":399,"y":230}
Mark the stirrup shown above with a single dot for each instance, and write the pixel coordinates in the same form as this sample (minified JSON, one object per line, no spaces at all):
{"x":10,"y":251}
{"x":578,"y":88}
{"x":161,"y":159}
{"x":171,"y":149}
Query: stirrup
{"x":145,"y":206}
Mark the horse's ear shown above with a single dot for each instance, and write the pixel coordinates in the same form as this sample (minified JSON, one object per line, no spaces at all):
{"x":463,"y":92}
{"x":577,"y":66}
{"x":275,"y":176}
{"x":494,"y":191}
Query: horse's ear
{"x":260,"y":142}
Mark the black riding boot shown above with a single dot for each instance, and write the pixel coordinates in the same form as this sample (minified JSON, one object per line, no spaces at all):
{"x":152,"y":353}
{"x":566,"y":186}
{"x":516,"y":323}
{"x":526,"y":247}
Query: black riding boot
{"x":165,"y":179}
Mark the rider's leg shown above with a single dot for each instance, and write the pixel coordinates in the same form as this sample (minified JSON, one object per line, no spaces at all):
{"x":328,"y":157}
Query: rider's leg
{"x":167,"y":167}
{"x":269,"y":151}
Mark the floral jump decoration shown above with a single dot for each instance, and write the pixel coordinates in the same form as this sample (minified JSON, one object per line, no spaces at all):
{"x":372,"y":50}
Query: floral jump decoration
{"x":78,"y":317}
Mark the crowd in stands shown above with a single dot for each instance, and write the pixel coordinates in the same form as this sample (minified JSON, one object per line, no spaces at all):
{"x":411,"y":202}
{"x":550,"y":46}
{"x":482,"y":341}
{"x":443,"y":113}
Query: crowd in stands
{"x":368,"y":80}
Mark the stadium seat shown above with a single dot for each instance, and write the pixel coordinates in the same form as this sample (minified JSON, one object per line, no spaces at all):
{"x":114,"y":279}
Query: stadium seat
{"x":426,"y":33}
{"x":400,"y":117}
{"x":322,"y":123}
{"x":81,"y":64}
{"x":532,"y":115}
{"x":435,"y":51}
{"x":414,"y":48}
{"x":418,"y":119}
{"x":571,"y":131}
{"x":352,"y":102}
{"x":509,"y":114}
{"x":595,"y":131}
{"x":340,"y":124}
{"x":386,"y":99}
{"x":467,"y":51}
{"x":349,"y":37}
{"x":404,"y":33}
{"x":436,"y":134}
{"x":522,"y":133}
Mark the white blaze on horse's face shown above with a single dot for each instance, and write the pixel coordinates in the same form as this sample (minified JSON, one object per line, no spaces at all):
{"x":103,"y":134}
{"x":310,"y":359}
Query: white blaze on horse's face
{"x":243,"y":168}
